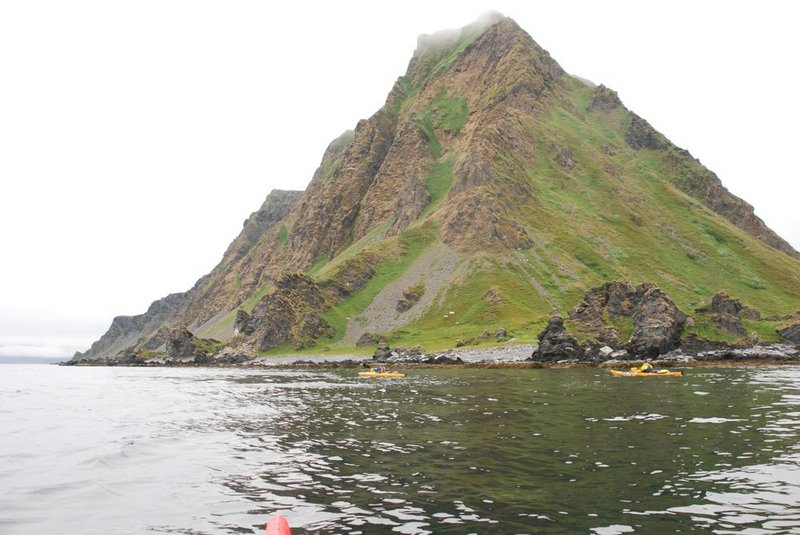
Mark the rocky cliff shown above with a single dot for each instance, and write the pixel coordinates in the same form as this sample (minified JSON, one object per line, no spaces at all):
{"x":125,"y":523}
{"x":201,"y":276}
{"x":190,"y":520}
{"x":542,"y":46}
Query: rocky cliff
{"x":489,"y":171}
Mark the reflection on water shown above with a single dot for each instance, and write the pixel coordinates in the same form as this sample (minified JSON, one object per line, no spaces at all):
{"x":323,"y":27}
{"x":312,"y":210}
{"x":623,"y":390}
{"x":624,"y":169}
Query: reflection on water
{"x":441,"y":451}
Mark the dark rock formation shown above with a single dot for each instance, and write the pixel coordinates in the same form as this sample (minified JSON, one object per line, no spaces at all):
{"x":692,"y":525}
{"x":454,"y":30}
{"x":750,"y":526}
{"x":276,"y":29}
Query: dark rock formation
{"x":290,"y":314}
{"x":722,"y":303}
{"x":657,"y":322}
{"x":353,"y":275}
{"x":157,"y":340}
{"x":555,"y":343}
{"x":274,"y":209}
{"x":126,"y":331}
{"x":411,"y":295}
{"x":725,"y":312}
{"x":790,"y":331}
{"x":382,"y":351}
{"x":242,"y":323}
{"x":180,"y":343}
{"x":614,"y":299}
{"x":604,"y":99}
{"x":641,"y":135}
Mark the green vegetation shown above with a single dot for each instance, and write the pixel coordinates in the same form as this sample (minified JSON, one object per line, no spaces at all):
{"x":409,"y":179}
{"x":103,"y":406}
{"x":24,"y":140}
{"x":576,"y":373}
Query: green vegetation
{"x":325,"y":268}
{"x":283,"y":235}
{"x":445,"y":113}
{"x":466,"y":310}
{"x":616,"y":214}
{"x":399,"y":253}
{"x":406,"y":92}
{"x":208,"y":345}
{"x":438,"y":182}
{"x":623,"y":325}
{"x":249,"y":304}
{"x":319,"y":264}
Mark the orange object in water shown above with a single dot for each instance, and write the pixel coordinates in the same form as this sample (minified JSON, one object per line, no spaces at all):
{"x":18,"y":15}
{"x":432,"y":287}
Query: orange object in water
{"x":278,"y":525}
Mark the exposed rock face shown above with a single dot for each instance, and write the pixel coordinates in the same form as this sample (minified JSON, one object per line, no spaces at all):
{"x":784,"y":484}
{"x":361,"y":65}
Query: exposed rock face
{"x":478,"y":221}
{"x":722,"y":303}
{"x":157,"y":340}
{"x":382,"y":351}
{"x":290,"y":314}
{"x":615,"y":299}
{"x":242,"y":269}
{"x":790,"y":331}
{"x":180,"y":343}
{"x":641,"y":135}
{"x":657,"y":322}
{"x":725,"y":314}
{"x":242,"y":324}
{"x":564,"y":157}
{"x":555,"y":343}
{"x":353,"y":275}
{"x":604,"y":99}
{"x":411,"y":295}
{"x":126,"y":331}
{"x":704,"y":185}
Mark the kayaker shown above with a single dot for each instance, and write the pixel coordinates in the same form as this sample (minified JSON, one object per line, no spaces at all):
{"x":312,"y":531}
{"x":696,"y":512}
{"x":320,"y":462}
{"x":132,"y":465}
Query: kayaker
{"x":380,"y":369}
{"x":647,"y":368}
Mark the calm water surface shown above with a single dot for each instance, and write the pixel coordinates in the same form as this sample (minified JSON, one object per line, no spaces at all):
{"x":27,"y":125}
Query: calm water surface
{"x":113,"y":450}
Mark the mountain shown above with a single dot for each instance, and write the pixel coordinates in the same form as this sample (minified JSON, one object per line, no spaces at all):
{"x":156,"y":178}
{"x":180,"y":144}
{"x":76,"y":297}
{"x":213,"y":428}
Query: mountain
{"x":491,"y":190}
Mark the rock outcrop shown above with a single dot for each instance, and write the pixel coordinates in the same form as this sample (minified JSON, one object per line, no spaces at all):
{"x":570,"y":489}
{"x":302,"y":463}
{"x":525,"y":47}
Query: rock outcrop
{"x":181,"y":344}
{"x":641,"y":135}
{"x":289,"y":315}
{"x":727,"y":312}
{"x":604,"y":99}
{"x":656,"y":321}
{"x":790,"y":330}
{"x":555,"y":343}
{"x":128,"y":331}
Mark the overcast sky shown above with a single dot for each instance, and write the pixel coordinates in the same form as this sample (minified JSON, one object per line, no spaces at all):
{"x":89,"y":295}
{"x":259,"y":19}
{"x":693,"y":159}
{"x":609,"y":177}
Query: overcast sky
{"x":136,"y":136}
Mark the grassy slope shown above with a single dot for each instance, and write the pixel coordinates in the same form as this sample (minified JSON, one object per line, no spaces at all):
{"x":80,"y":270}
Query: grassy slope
{"x":589,"y":227}
{"x":616,"y":214}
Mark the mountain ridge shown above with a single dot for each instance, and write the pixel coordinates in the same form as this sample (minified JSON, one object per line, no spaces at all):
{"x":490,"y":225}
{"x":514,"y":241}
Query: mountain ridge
{"x":485,"y":160}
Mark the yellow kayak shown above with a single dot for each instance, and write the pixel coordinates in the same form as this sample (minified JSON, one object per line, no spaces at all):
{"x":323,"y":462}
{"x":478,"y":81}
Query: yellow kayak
{"x":381,"y":374}
{"x":636,"y":372}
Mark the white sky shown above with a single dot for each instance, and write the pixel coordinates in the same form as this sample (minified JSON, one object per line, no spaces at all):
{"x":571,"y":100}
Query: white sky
{"x":136,"y":136}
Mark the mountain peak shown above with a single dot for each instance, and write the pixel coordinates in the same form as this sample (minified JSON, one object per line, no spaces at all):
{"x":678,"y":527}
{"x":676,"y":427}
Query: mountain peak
{"x":448,"y":38}
{"x":491,"y":187}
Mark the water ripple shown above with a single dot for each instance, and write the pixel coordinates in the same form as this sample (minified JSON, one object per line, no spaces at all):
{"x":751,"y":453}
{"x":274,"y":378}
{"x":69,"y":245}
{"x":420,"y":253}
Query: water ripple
{"x":443,"y":451}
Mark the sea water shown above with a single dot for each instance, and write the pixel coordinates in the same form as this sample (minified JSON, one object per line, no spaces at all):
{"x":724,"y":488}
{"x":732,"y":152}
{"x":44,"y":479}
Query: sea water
{"x":168,"y":450}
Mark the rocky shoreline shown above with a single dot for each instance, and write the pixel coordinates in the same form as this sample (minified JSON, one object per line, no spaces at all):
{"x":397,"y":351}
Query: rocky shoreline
{"x":620,"y":325}
{"x":502,"y":356}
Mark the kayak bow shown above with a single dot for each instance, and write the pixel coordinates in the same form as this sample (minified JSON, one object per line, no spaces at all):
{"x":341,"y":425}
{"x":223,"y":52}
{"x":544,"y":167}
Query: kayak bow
{"x":278,"y":525}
